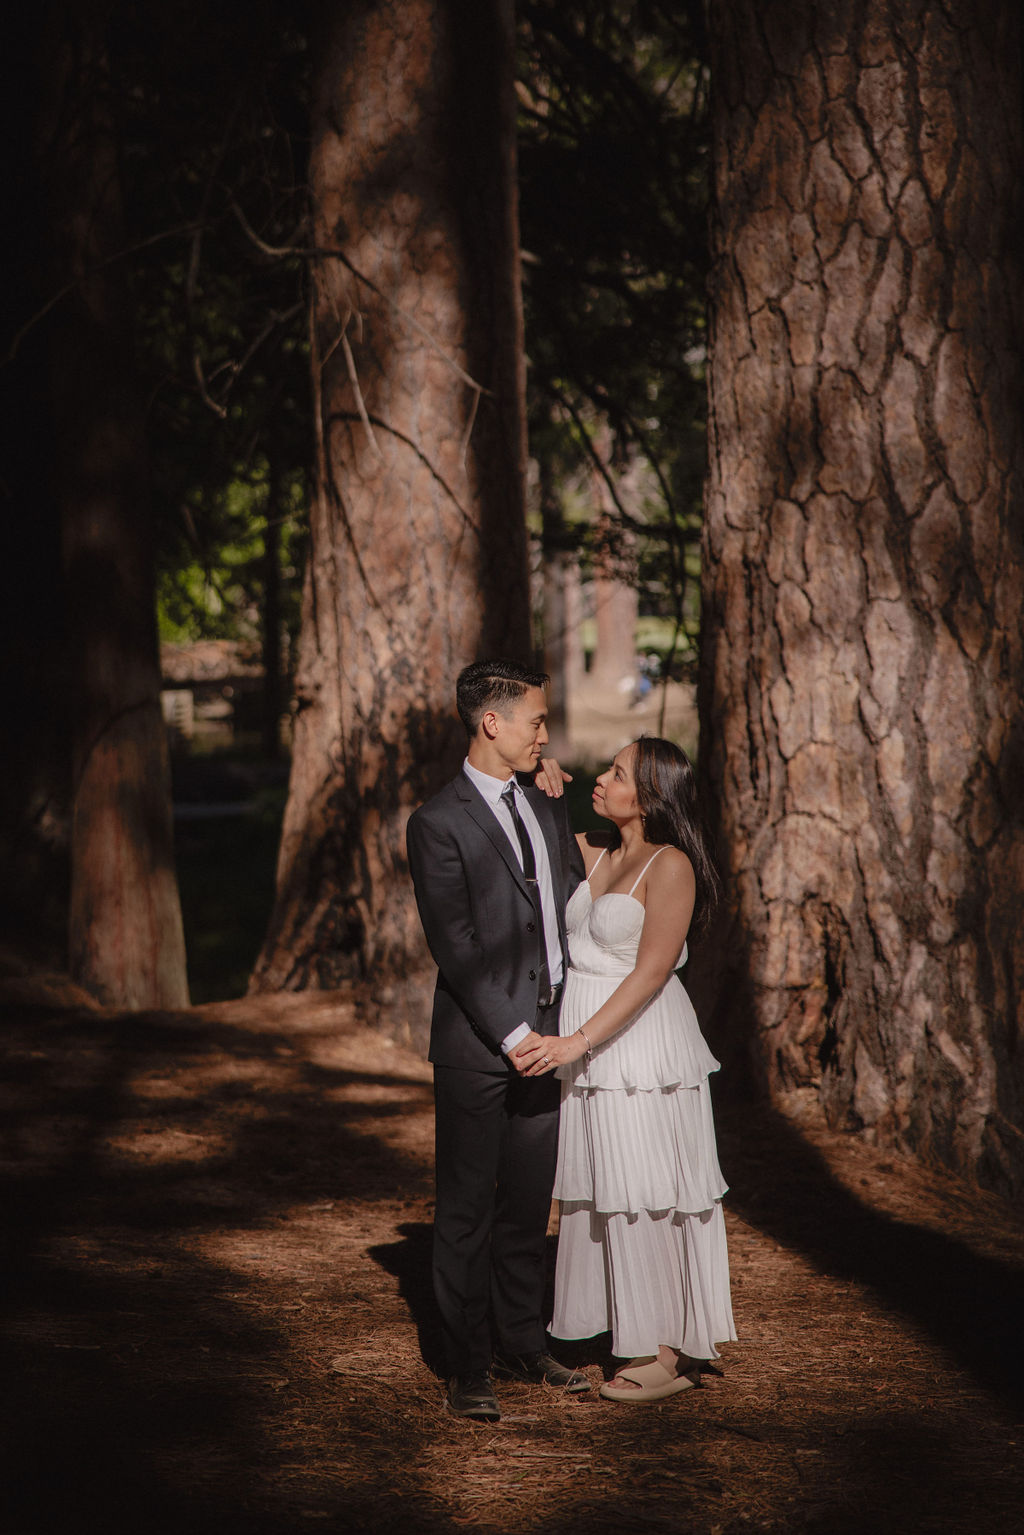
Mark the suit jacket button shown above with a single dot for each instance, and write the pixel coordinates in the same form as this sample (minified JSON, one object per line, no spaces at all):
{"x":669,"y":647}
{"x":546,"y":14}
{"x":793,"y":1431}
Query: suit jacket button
{"x":533,"y":975}
{"x":531,"y":927}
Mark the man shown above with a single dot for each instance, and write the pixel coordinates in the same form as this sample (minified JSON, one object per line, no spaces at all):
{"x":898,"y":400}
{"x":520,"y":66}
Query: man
{"x":494,"y":863}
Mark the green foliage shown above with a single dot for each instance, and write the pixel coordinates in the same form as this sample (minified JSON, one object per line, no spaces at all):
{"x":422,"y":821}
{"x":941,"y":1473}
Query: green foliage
{"x":222,"y":594}
{"x":613,"y":152}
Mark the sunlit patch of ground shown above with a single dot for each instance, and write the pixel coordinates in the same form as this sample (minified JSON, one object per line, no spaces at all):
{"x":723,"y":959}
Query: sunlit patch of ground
{"x":218,"y":1318}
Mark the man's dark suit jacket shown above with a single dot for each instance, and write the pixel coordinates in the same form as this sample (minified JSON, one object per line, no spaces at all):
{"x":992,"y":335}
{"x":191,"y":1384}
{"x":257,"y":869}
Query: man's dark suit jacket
{"x":480,"y":921}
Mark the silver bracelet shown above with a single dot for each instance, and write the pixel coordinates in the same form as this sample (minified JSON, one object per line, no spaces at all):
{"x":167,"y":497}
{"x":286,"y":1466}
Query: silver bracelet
{"x":590,"y":1048}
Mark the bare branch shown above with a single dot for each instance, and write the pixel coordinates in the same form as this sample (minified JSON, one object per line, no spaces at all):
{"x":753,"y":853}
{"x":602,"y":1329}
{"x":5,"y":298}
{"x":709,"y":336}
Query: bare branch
{"x":197,"y":369}
{"x":593,"y":454}
{"x":393,"y":431}
{"x":192,"y":274}
{"x":467,"y":434}
{"x":353,"y":378}
{"x":195,"y":258}
{"x":62,"y":293}
{"x":277,"y":317}
{"x":334,"y":253}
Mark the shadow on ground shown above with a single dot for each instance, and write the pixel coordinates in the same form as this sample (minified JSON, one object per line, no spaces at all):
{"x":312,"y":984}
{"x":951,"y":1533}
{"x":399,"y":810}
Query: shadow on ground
{"x":199,"y":1216}
{"x":141,"y":1375}
{"x":968,"y":1302}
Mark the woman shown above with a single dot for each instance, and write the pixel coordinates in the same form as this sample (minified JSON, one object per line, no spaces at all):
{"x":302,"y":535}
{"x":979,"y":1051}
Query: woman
{"x":641,"y":1247}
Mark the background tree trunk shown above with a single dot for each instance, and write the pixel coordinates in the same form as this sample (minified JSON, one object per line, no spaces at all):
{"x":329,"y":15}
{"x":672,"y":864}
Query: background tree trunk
{"x":270,"y":621}
{"x":418,"y":543}
{"x":861,"y":692}
{"x":560,"y":610}
{"x":616,"y":606}
{"x":125,"y":932}
{"x":616,"y":599}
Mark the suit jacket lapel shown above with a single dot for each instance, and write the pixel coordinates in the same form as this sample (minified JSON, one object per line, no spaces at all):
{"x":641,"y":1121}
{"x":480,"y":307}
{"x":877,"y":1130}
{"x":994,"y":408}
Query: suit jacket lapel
{"x":485,"y":818}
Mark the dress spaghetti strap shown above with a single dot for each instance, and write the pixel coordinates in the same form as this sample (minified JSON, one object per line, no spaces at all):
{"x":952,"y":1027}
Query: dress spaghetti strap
{"x":597,"y":861}
{"x":646,"y":866}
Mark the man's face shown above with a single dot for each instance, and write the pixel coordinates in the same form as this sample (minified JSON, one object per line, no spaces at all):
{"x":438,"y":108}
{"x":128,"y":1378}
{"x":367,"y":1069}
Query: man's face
{"x":520,"y":733}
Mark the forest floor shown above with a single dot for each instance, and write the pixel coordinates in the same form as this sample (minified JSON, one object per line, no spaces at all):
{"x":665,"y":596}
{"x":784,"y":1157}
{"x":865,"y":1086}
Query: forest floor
{"x":218,"y":1318}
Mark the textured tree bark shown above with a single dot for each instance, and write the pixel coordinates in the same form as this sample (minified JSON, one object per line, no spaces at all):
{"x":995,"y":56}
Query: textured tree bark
{"x":863,"y":671}
{"x":125,"y":932}
{"x":418,"y":560}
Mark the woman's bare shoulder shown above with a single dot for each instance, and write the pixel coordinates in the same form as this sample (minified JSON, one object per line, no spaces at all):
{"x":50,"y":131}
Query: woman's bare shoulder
{"x":671,"y":867}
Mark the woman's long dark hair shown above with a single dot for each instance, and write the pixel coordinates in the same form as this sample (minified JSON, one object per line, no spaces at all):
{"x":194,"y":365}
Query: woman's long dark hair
{"x":666,"y":793}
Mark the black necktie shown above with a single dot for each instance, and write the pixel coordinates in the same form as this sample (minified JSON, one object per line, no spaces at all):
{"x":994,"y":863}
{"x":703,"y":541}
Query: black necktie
{"x":508,"y":794}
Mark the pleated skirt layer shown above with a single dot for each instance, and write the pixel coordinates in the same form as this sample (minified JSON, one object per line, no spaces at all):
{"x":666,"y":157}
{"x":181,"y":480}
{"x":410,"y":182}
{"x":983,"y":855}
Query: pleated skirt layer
{"x":648,"y":1279}
{"x":641,"y":1247}
{"x":639,"y":1150}
{"x":661,"y":1046}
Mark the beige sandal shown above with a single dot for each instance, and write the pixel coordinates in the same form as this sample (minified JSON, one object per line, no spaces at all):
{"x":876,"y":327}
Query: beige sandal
{"x":653,"y":1381}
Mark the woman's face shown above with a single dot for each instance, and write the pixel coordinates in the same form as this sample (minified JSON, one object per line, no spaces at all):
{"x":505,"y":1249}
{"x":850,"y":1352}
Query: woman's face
{"x":615,"y":791}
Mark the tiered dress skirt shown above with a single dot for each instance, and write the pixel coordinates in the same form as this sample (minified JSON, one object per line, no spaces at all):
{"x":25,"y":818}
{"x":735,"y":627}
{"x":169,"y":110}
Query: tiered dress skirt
{"x":642,"y":1247}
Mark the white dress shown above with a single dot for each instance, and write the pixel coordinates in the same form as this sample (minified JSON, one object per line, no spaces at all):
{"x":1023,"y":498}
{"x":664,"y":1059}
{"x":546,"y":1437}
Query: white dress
{"x":641,"y":1245}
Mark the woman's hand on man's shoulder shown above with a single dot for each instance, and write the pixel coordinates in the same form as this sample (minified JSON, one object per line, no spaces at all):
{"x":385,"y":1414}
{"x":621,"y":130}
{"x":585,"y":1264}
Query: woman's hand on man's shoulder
{"x":551,"y":777}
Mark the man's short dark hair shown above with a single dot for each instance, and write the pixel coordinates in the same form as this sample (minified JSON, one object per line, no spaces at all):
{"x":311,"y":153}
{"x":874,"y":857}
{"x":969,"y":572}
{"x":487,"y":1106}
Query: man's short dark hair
{"x":494,"y":685}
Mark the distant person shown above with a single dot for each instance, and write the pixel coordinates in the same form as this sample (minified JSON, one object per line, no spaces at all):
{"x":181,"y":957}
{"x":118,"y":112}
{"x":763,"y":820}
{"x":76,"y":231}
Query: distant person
{"x":641,"y":1247}
{"x":493,"y":863}
{"x":643,"y":682}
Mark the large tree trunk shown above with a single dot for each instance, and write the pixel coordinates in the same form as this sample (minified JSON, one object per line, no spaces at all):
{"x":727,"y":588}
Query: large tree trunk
{"x":418,"y":544}
{"x":863,"y":672}
{"x":126,"y":942}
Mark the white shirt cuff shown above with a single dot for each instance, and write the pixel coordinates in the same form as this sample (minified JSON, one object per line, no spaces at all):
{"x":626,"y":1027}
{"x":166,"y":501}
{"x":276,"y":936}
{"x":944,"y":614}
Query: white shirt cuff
{"x":511,"y":1040}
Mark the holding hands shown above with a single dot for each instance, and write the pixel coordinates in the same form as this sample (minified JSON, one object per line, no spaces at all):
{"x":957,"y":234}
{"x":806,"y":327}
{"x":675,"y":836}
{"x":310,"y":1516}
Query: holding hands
{"x":541,"y":1053}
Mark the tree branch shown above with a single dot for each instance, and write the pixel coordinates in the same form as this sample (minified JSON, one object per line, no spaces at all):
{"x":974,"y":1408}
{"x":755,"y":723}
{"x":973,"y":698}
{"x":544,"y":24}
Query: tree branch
{"x":353,"y":378}
{"x":335,"y":253}
{"x":592,"y":453}
{"x":99,"y":266}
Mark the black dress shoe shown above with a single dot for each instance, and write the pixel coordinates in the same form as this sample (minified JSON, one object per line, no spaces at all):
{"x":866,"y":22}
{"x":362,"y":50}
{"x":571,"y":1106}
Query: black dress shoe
{"x":472,"y":1396}
{"x":539,"y":1370}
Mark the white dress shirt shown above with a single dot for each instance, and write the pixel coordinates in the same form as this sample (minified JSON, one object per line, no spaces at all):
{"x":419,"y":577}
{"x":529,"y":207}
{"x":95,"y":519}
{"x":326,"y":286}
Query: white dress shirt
{"x":492,"y":789}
